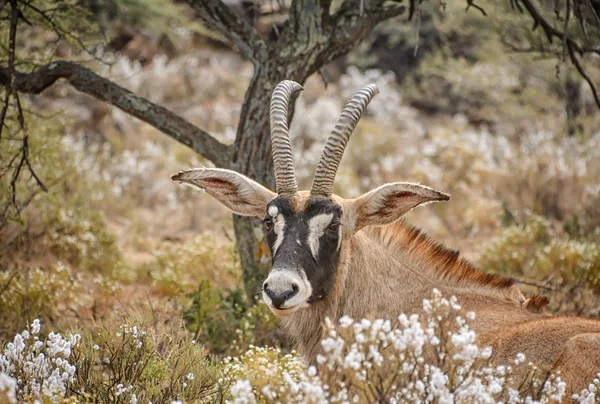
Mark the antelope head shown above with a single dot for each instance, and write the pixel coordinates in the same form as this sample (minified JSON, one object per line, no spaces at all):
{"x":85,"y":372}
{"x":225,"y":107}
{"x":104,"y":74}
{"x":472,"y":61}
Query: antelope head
{"x":308,"y":231}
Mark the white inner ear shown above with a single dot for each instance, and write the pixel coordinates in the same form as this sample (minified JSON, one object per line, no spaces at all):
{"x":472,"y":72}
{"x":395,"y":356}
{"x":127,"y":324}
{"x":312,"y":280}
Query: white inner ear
{"x":278,"y":227}
{"x":236,"y":191}
{"x":316,"y":228}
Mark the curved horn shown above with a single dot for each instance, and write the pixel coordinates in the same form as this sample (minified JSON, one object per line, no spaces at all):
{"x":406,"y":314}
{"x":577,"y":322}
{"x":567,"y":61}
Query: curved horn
{"x":285,"y":180}
{"x":334,"y":148}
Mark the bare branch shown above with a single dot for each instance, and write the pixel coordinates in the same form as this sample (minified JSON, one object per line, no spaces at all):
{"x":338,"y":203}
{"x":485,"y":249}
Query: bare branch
{"x":10,"y":163}
{"x":11,"y":90}
{"x":593,"y":12}
{"x":566,"y":29}
{"x":90,"y":83}
{"x":60,"y":32}
{"x":572,"y":46}
{"x":549,"y":30}
{"x":15,"y":175}
{"x":417,"y":31}
{"x":584,"y":74}
{"x":219,"y":17}
{"x":471,"y":3}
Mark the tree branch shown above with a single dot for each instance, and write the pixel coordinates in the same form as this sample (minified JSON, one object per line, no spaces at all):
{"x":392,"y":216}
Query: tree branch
{"x":307,"y":21}
{"x":471,"y":3}
{"x":569,"y":44}
{"x":373,"y":12}
{"x":584,"y":74}
{"x":550,"y":31}
{"x":355,"y":19}
{"x":219,"y":17}
{"x":88,"y":82}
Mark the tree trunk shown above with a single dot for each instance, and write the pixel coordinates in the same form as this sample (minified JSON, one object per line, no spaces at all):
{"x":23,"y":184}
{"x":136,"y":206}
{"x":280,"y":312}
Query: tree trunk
{"x":298,"y":54}
{"x":252,"y":157}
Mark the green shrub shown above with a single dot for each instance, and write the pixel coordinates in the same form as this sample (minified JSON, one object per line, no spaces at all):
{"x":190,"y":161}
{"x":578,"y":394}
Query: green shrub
{"x":56,"y":250}
{"x":80,"y":238}
{"x":204,"y":275}
{"x":30,"y":293}
{"x":429,"y":357}
{"x":565,"y":266}
{"x":141,"y":362}
{"x":226,"y":323}
{"x":180,"y":267}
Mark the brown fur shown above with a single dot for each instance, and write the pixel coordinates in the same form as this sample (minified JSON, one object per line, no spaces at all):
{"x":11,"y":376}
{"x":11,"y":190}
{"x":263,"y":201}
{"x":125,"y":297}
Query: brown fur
{"x":401,"y":238}
{"x":404,"y":240}
{"x":389,"y":270}
{"x":570,"y":345}
{"x":374,"y":281}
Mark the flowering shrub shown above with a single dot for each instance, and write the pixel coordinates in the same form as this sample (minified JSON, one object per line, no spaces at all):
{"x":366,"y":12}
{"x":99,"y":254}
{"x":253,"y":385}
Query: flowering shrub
{"x":427,"y":358}
{"x":59,"y":246}
{"x":81,"y":240}
{"x":34,"y":369}
{"x":591,"y":394}
{"x":35,"y":292}
{"x":430,"y":357}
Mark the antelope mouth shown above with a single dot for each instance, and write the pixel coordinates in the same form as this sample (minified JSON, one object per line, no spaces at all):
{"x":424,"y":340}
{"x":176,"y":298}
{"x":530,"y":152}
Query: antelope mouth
{"x":284,"y":311}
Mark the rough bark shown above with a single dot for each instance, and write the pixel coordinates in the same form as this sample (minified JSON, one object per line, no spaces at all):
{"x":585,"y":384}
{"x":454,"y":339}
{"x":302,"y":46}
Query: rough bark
{"x":235,"y":29}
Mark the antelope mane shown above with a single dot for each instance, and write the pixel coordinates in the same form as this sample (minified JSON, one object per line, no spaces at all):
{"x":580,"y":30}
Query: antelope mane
{"x":411,"y":245}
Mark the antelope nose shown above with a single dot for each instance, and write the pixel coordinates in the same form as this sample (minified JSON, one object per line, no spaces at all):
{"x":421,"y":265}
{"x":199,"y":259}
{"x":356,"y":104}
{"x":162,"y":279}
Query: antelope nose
{"x":279,"y":298}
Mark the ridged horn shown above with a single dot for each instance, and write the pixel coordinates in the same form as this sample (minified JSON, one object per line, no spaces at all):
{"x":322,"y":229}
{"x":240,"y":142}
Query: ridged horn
{"x":285,"y":179}
{"x":336,"y":144}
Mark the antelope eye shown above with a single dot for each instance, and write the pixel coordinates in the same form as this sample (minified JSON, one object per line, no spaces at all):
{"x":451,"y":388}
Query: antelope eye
{"x":268,"y":223}
{"x":333,"y":227}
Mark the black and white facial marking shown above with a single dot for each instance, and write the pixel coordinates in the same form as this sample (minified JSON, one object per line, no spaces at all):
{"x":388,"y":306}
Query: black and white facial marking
{"x":305,"y":248}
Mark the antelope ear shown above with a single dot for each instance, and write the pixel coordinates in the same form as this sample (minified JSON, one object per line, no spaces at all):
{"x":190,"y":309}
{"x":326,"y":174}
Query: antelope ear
{"x":389,"y":202}
{"x":236,"y":191}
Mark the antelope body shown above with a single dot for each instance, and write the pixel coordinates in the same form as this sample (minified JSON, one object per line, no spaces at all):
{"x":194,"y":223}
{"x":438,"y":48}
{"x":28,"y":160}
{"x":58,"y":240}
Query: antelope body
{"x":333,"y":257}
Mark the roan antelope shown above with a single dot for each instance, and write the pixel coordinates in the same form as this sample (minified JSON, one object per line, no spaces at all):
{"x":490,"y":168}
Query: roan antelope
{"x":333,"y":256}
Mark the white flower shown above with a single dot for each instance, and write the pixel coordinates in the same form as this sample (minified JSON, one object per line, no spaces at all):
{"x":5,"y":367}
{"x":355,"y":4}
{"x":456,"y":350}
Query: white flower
{"x":346,"y":322}
{"x":44,"y":369}
{"x":35,"y":326}
{"x":520,"y":358}
{"x":242,"y":392}
{"x":8,"y":385}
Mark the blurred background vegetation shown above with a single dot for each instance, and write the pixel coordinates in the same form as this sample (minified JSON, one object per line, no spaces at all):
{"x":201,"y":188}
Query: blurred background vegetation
{"x":468,"y":105}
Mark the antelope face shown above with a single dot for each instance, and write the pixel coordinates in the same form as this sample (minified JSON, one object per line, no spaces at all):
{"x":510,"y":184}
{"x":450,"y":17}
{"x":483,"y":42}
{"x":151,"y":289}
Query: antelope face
{"x":305,"y":245}
{"x":306,"y":231}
